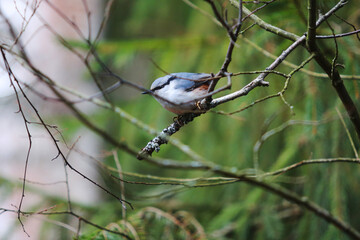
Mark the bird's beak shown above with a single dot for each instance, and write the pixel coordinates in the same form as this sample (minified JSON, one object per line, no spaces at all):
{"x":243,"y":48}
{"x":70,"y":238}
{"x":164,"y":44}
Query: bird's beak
{"x":146,"y":92}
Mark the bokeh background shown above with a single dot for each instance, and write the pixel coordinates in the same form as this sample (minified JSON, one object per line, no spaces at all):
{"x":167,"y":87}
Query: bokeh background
{"x":265,"y":137}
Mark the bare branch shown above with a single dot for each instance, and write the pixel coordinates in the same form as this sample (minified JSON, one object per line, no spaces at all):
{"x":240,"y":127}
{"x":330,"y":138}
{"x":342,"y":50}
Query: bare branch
{"x":328,"y":67}
{"x":13,"y":80}
{"x":312,"y":161}
{"x":355,"y":32}
{"x":80,"y":218}
{"x":259,"y":81}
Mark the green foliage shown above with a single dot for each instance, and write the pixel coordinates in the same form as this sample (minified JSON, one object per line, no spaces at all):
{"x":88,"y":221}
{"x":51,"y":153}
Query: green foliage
{"x":152,"y":223}
{"x":179,"y":38}
{"x":185,"y":40}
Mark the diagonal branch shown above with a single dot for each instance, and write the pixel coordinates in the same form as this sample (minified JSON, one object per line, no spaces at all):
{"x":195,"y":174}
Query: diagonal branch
{"x":13,"y":80}
{"x":268,"y":27}
{"x":154,"y":145}
{"x":49,"y":82}
{"x":259,"y":81}
{"x":233,"y":34}
{"x":163,"y":137}
{"x":327,"y":66}
{"x":277,"y":190}
{"x":332,"y":73}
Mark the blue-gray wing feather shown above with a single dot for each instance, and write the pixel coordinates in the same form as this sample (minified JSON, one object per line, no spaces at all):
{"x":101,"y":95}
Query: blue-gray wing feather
{"x":182,"y":80}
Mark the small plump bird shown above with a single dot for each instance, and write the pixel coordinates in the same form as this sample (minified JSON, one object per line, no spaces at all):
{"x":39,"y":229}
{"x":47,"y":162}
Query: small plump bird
{"x":180,"y":92}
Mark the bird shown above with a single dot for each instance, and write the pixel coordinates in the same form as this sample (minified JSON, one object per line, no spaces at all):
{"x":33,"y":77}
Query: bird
{"x":181,"y":92}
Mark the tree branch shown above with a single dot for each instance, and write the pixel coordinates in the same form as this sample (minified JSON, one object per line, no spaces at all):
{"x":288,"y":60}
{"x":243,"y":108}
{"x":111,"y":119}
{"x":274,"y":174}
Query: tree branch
{"x":80,"y":218}
{"x":163,"y":137}
{"x":332,"y":73}
{"x":327,"y":66}
{"x":282,"y":192}
{"x":259,"y":81}
{"x":268,"y":27}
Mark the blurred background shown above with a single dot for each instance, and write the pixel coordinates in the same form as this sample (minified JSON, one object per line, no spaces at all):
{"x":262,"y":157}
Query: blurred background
{"x":174,"y":203}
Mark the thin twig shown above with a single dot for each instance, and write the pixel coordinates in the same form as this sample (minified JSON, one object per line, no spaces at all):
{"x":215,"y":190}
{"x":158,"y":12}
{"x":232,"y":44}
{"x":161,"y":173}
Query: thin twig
{"x":311,"y":161}
{"x":13,"y":80}
{"x":122,"y":186}
{"x":67,"y":177}
{"x":48,"y":81}
{"x":328,"y":67}
{"x":83,"y":219}
{"x":347,"y":133}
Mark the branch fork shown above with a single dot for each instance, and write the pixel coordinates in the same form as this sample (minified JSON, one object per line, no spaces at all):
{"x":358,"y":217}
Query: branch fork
{"x":309,"y":38}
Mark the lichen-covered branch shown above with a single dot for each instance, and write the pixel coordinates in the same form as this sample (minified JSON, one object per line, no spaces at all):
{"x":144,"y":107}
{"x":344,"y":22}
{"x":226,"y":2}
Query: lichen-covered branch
{"x":163,"y":137}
